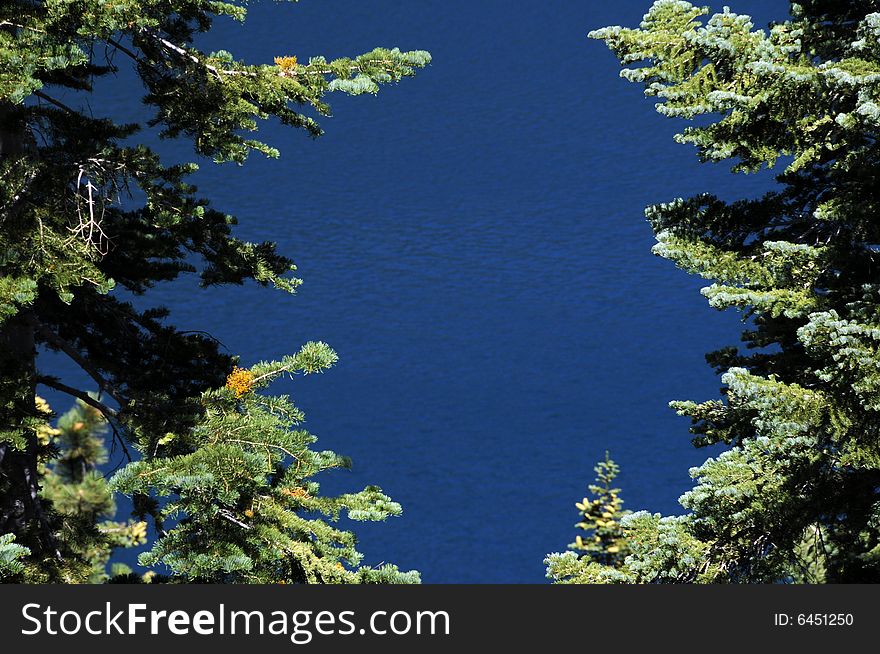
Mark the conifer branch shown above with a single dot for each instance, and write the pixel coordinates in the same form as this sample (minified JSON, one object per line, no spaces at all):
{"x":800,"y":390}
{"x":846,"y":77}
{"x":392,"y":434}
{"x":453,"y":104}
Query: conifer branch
{"x":388,"y":64}
{"x":68,"y":349}
{"x":60,"y":274}
{"x":124,"y":50}
{"x":264,"y":445}
{"x":105,"y":410}
{"x":110,"y":415}
{"x":226,"y":514}
{"x":53,"y":101}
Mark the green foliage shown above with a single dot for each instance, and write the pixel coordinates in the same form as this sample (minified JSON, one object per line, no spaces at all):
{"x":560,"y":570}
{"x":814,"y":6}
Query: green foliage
{"x":795,"y":496}
{"x":91,"y":216}
{"x":81,"y":496}
{"x":78,"y":502}
{"x":11,"y":555}
{"x":240,"y":488}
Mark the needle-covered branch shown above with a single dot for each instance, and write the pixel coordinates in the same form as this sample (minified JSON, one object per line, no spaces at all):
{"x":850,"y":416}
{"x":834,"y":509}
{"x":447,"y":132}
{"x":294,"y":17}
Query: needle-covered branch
{"x":91,"y":216}
{"x":241,"y":486}
{"x":795,"y":494}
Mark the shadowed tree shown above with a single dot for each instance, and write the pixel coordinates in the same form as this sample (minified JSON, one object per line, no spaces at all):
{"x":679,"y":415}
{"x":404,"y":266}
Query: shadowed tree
{"x":91,"y":216}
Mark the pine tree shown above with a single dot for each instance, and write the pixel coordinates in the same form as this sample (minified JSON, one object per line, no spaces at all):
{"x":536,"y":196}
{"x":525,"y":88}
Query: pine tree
{"x":90,"y":215}
{"x":80,"y":497}
{"x":605,"y":543}
{"x":795,"y":496}
{"x":80,"y":493}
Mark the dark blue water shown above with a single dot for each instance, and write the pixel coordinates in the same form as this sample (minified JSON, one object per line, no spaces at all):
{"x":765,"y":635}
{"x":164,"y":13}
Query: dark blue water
{"x":473,"y":245}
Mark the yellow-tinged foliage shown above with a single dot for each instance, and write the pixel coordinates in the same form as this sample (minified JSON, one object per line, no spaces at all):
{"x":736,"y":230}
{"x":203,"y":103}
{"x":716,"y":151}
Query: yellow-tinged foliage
{"x":240,"y":381}
{"x":286,"y":64}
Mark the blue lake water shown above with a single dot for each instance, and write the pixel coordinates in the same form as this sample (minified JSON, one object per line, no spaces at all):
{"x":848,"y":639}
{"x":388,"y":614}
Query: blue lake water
{"x":473,"y":245}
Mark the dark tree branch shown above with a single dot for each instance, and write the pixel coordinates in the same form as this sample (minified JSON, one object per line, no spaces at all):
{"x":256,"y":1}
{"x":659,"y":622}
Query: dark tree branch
{"x":117,"y":438}
{"x":110,"y":415}
{"x":53,"y":101}
{"x":116,"y":44}
{"x":68,"y":349}
{"x":106,"y":411}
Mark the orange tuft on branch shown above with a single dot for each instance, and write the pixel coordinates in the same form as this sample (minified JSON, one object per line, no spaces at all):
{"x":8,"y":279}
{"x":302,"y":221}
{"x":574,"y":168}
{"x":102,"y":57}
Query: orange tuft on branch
{"x":240,"y":381}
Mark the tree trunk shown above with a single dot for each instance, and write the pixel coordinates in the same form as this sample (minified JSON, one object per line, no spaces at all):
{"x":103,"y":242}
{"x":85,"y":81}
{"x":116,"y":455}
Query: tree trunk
{"x":21,"y":508}
{"x":19,"y":502}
